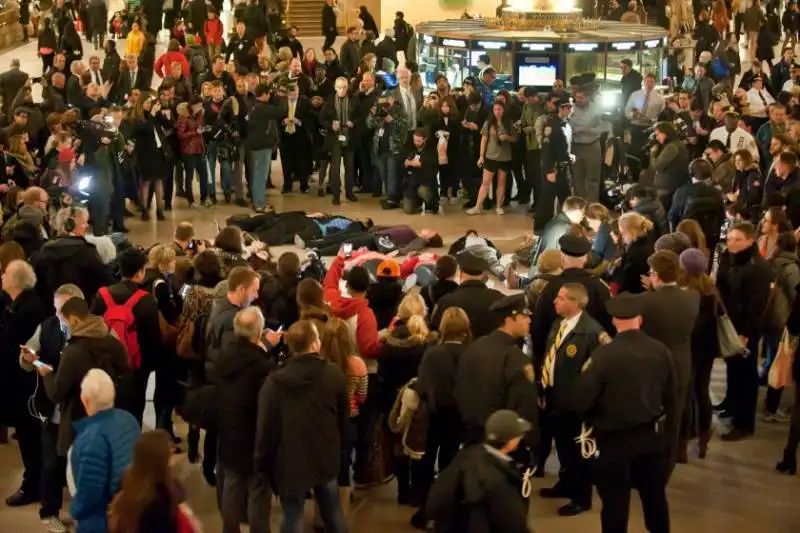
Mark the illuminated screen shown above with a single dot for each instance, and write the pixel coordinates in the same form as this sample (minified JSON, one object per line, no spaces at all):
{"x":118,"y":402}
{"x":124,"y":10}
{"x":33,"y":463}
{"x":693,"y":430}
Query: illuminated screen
{"x":537,"y":75}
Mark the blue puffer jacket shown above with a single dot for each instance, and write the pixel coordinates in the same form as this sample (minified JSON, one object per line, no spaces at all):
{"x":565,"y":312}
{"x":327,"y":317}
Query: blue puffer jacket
{"x":102,"y":450}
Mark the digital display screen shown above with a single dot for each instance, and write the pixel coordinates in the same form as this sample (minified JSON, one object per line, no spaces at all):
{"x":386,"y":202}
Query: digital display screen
{"x":543,"y":75}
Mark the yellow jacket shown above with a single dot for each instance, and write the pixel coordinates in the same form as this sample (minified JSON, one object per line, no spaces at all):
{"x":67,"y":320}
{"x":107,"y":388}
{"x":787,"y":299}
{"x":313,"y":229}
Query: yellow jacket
{"x":134,"y":43}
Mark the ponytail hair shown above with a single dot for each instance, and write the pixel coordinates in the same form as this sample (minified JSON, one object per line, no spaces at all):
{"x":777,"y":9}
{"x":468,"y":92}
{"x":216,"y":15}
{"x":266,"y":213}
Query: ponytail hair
{"x":418,"y":328}
{"x":635,"y":224}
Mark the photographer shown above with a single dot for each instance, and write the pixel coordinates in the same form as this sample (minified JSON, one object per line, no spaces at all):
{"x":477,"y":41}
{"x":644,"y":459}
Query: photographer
{"x":390,"y":122}
{"x":669,"y":159}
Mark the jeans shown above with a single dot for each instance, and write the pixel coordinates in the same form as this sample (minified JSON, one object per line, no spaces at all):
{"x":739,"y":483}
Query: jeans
{"x":327,"y":497}
{"x":252,"y":489}
{"x":192,"y":163}
{"x":387,"y":170}
{"x":260,"y":162}
{"x":99,"y":208}
{"x":54,"y":471}
{"x":225,"y":171}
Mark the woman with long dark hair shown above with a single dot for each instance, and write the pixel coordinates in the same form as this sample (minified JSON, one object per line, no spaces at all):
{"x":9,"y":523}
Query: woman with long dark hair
{"x":71,"y":45}
{"x":449,"y":127}
{"x":149,"y":500}
{"x":497,"y":136}
{"x":47,"y":45}
{"x":148,"y":153}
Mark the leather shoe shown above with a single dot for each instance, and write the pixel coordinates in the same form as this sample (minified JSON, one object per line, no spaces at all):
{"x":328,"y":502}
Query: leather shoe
{"x":736,"y":434}
{"x":554,"y":492}
{"x":572,"y":509}
{"x":20,"y":498}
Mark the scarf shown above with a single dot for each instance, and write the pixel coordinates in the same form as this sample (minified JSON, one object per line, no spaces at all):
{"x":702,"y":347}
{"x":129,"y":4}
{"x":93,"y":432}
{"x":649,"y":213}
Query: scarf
{"x":342,"y":106}
{"x":290,"y":126}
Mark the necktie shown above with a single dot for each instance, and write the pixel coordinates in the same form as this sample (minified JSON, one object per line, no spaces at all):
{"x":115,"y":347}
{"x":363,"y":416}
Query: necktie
{"x":97,"y":79}
{"x":550,"y":360}
{"x":728,"y":141}
{"x":133,"y":78}
{"x":646,"y":103}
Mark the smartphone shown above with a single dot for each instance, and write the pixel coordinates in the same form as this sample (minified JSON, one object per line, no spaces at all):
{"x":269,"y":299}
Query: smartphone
{"x":279,"y":329}
{"x":192,"y":245}
{"x":185,"y":290}
{"x":347,"y":248}
{"x":39,"y":364}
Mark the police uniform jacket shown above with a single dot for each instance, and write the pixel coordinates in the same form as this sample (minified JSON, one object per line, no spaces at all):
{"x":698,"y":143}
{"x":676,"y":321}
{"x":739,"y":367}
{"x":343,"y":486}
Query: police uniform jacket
{"x":574,"y":350}
{"x":475,"y":298}
{"x":555,"y":145}
{"x":627,"y":384}
{"x":493,"y":374}
{"x":545,"y":313}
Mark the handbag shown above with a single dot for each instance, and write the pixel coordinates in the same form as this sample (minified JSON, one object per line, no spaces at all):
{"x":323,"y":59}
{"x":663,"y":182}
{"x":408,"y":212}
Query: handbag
{"x":730,"y":344}
{"x":780,"y":373}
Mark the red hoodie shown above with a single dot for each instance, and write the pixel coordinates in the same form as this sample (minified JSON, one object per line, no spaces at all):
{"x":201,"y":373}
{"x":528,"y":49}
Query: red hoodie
{"x":213,"y":30}
{"x":356,"y":312}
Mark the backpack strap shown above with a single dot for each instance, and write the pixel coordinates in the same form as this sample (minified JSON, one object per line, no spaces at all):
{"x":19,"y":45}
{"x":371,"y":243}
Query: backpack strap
{"x":134,"y":299}
{"x":106,"y":296}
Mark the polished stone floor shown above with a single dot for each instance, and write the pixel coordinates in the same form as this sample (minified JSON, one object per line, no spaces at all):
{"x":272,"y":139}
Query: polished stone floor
{"x":734,"y":490}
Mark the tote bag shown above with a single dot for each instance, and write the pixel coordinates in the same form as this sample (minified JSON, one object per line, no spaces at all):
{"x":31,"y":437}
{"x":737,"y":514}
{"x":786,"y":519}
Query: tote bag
{"x":730,"y":344}
{"x":780,"y":373}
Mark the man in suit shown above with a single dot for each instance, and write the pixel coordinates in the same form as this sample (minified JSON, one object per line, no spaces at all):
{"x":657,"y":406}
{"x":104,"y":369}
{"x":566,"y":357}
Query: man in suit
{"x":295,"y":140}
{"x":130,"y":78}
{"x":59,"y":65}
{"x":74,"y":83}
{"x":570,"y":343}
{"x":670,"y":313}
{"x":411,"y":100}
{"x":11,"y":81}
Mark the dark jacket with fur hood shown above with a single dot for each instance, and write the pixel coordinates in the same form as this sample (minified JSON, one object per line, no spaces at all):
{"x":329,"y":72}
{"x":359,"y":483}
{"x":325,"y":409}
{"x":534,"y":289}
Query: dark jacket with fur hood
{"x":399,"y":361}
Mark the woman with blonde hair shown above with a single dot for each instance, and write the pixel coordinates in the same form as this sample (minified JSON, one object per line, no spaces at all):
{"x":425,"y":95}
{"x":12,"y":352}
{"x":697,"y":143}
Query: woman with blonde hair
{"x":397,"y":365}
{"x":337,"y":346}
{"x":637,"y":239}
{"x":436,"y":387}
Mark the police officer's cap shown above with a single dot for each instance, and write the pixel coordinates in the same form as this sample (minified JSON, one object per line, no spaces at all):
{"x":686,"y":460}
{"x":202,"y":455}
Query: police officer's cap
{"x":626,"y":305}
{"x":515,"y":304}
{"x":505,"y":425}
{"x":574,"y":246}
{"x":564,"y":101}
{"x":471,"y":264}
{"x":731,"y":111}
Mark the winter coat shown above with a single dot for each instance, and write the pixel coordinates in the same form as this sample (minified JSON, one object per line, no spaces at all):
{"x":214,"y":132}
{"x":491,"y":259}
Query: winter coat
{"x":241,"y":370}
{"x":634,"y":264}
{"x":436,"y":383}
{"x":744,"y":281}
{"x":91,"y":345}
{"x":279,"y":301}
{"x":399,"y":362}
{"x":189,"y":139}
{"x":97,"y":461}
{"x":164,"y":63}
{"x":303,"y":415}
{"x":219,"y":334}
{"x":384,"y":298}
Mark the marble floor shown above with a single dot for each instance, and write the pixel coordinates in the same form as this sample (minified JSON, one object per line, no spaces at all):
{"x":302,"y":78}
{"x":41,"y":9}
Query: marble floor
{"x":734,"y":490}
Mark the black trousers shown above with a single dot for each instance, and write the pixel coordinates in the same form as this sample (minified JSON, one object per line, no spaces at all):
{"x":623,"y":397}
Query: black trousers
{"x":117,"y":208}
{"x":742,"y":394}
{"x":448,"y":179}
{"x":444,"y":440}
{"x":533,"y":177}
{"x":29,"y":438}
{"x":560,"y":190}
{"x":573,"y":477}
{"x":295,"y":166}
{"x":339,"y":155}
{"x":330,"y":244}
{"x":330,"y":38}
{"x":365,"y":164}
{"x":365,"y":423}
{"x":633,"y":459}
{"x":54,"y":472}
{"x":140,"y":378}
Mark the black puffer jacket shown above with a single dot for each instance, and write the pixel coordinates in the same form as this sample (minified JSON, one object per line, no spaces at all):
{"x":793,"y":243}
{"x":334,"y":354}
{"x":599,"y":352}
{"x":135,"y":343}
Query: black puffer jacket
{"x":634,"y":264}
{"x":278,"y":301}
{"x":744,"y":280}
{"x":399,"y":362}
{"x":384,"y":297}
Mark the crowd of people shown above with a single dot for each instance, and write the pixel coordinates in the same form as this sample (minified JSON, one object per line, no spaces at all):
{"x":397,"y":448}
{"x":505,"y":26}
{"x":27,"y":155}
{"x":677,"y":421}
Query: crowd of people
{"x":312,"y":379}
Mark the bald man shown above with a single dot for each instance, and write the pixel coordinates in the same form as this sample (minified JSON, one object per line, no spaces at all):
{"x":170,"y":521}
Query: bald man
{"x":32,"y":197}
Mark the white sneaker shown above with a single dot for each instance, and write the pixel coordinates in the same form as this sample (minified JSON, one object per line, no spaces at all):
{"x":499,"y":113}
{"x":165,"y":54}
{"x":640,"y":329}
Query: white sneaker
{"x":500,"y":211}
{"x":299,"y":242}
{"x":54,"y":525}
{"x":453,"y":200}
{"x":473,"y":211}
{"x":777,"y":417}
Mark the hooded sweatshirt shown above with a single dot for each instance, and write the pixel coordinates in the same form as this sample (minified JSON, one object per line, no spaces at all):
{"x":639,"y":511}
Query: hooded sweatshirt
{"x":358,"y":315}
{"x":91,"y":345}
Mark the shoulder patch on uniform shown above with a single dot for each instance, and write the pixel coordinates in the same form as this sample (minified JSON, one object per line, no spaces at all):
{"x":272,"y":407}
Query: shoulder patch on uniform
{"x":604,"y":338}
{"x":529,"y":372}
{"x":547,"y":131}
{"x":586,"y":365}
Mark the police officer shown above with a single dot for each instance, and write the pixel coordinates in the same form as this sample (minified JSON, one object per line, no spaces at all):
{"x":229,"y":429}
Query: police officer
{"x":627,"y":391}
{"x":572,"y":340}
{"x":493,"y":373}
{"x":556,"y":162}
{"x":574,"y":254}
{"x":473,"y":296}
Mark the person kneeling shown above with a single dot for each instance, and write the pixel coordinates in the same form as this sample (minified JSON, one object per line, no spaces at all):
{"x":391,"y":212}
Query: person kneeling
{"x":420,"y":164}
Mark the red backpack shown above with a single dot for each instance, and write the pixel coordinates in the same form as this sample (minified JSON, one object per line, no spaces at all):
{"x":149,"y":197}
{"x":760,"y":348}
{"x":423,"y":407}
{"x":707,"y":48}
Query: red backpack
{"x":121,"y":321}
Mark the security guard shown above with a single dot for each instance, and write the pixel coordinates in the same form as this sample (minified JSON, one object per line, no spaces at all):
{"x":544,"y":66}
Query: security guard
{"x":473,"y":296}
{"x":627,"y":392}
{"x":572,"y":340}
{"x":556,"y":162}
{"x":574,"y":254}
{"x":493,"y":373}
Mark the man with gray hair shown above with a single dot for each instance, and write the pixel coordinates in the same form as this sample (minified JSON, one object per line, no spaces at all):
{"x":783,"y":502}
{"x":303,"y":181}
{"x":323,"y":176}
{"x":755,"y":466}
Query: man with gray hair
{"x":11,"y":81}
{"x":21,"y":315}
{"x":102,"y":451}
{"x":46,"y":345}
{"x":242,"y":368}
{"x":410,"y":100}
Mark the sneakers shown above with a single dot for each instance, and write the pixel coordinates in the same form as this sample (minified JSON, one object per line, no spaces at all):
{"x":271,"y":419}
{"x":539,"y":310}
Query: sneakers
{"x":54,"y":525}
{"x":473,"y":211}
{"x":778,"y":416}
{"x":299,"y":242}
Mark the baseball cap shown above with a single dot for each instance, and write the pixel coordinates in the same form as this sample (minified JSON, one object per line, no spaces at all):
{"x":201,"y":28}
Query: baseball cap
{"x":388,"y":269}
{"x":504,"y":425}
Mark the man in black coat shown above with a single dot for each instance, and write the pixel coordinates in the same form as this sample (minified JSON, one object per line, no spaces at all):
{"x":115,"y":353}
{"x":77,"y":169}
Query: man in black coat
{"x":242,"y":48}
{"x":572,"y":213}
{"x":98,"y":21}
{"x":473,"y":296}
{"x":132,"y":265}
{"x":11,"y":81}
{"x":350,"y":56}
{"x":699,"y":201}
{"x":130,"y":78}
{"x":670,"y":313}
{"x":22,"y":312}
{"x":69,"y":258}
{"x":329,"y":24}
{"x":744,"y":282}
{"x":242,"y":368}
{"x":387,"y":49}
{"x":484,"y":476}
{"x":303,"y":418}
{"x":291,"y":42}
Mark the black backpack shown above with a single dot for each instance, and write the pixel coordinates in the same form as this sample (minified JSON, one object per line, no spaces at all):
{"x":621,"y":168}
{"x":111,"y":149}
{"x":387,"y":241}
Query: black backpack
{"x":708,"y":211}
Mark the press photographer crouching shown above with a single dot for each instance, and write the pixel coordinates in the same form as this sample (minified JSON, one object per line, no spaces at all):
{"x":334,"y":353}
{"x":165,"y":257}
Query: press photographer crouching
{"x":669,"y":161}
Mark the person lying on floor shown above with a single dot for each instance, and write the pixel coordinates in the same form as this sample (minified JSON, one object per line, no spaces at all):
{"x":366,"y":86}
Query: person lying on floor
{"x":480,"y":247}
{"x":384,"y":239}
{"x":276,"y":229}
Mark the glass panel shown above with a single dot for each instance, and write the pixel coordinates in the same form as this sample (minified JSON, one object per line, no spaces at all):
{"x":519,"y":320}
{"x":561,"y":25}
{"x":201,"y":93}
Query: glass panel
{"x":428,"y":64}
{"x":613,"y":72}
{"x":453,"y":63}
{"x":503,"y":63}
{"x":578,"y":63}
{"x":651,"y":62}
